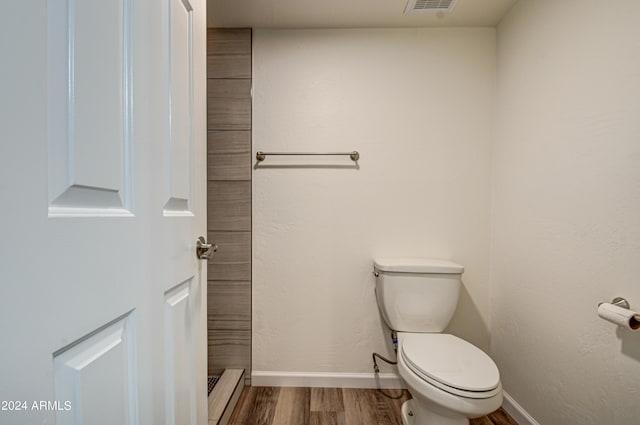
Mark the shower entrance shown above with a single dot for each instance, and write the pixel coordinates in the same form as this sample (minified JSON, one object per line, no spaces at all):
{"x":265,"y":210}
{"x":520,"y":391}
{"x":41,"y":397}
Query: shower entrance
{"x":229,"y":218}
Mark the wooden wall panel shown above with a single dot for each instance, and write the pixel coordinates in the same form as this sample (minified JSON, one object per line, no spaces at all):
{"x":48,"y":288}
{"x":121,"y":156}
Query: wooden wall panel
{"x":233,"y":259}
{"x":229,"y":155}
{"x":229,"y":305}
{"x":229,"y":53}
{"x":229,"y":106}
{"x":229,"y":198}
{"x":229,"y":205}
{"x":229,"y":349}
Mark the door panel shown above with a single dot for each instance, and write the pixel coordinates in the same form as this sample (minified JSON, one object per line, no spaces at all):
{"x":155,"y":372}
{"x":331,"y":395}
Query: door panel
{"x":180,"y":71}
{"x":104,"y":360}
{"x":89,"y":141}
{"x":180,"y":356}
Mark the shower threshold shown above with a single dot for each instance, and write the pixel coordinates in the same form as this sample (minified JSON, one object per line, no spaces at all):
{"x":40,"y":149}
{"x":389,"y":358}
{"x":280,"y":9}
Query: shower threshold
{"x":224,"y":394}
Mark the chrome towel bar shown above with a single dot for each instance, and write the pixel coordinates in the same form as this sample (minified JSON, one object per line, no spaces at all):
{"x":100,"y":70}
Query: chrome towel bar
{"x":260,"y":156}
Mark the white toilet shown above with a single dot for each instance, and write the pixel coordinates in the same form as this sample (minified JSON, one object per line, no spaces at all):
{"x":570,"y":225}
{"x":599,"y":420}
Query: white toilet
{"x":449,"y":379}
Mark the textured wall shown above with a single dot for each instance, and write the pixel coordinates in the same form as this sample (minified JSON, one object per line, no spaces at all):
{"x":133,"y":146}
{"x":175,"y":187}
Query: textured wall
{"x":417,"y":104}
{"x":566,"y":221}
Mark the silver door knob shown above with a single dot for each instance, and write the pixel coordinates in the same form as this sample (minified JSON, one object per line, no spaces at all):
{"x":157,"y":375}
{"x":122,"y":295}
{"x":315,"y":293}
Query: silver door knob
{"x":204,"y":250}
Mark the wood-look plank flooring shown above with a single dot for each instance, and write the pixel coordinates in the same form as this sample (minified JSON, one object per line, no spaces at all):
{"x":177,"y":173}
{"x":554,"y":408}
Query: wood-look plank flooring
{"x":330,"y":406}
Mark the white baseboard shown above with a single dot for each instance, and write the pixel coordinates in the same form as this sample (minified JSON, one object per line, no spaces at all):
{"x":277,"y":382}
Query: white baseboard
{"x":516,"y":411}
{"x":325,"y":380}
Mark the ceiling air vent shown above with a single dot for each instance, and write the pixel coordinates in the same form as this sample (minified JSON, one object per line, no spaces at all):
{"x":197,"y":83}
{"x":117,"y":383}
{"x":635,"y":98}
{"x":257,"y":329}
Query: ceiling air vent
{"x":430,"y":6}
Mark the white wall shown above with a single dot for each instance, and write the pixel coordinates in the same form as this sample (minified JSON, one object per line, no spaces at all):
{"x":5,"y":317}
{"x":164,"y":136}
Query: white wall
{"x":566,"y":209}
{"x":418,"y":105}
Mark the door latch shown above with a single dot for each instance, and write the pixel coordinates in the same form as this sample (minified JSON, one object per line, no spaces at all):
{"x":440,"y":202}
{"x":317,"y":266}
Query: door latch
{"x":204,"y":250}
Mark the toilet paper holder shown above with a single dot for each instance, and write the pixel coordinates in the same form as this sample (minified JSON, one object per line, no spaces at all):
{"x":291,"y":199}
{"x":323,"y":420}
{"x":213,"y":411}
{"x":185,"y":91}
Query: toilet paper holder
{"x":619,"y":312}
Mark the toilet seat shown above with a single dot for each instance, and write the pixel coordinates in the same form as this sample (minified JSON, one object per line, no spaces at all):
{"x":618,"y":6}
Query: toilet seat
{"x":451,"y":364}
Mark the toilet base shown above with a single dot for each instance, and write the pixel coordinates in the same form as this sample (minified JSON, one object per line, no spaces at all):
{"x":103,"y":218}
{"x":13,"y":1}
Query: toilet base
{"x":412,"y":414}
{"x":407,"y":419}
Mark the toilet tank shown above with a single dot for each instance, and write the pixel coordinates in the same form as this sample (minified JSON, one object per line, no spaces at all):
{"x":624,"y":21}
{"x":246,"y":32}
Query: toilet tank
{"x":417,"y":294}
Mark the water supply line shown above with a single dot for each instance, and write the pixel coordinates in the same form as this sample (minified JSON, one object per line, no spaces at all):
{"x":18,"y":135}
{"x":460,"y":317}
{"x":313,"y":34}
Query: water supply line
{"x":394,"y":341}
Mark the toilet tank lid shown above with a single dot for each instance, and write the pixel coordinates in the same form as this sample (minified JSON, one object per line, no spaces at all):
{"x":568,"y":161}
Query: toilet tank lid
{"x":417,"y":265}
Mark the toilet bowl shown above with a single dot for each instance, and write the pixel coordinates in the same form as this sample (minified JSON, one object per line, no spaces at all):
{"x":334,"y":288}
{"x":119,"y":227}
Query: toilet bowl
{"x":449,"y":379}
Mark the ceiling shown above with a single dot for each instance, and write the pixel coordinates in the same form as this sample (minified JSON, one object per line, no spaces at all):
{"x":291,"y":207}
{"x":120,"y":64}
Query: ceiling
{"x":348,"y":14}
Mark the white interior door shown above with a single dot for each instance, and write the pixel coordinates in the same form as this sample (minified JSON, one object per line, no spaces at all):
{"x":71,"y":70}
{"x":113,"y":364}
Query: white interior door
{"x":102,"y":197}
